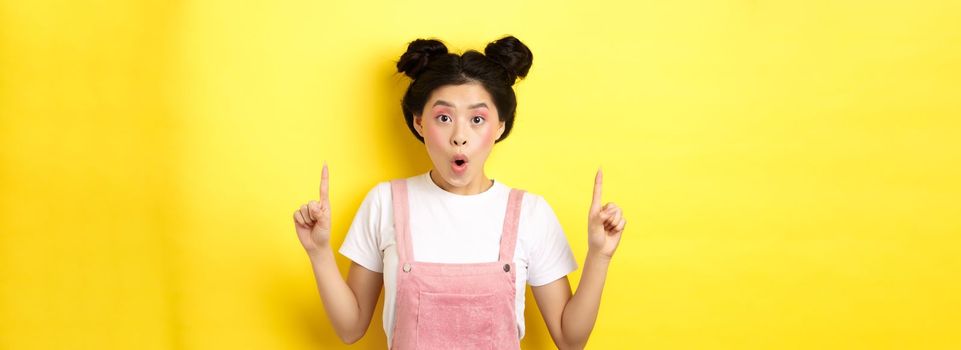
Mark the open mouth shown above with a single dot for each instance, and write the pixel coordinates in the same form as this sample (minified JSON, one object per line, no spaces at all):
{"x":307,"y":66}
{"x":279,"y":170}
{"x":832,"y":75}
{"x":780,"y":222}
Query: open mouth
{"x":459,"y":164}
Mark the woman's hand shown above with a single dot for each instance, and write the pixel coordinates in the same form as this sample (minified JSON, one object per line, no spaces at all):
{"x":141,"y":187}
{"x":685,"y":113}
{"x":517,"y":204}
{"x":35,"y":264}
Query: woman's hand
{"x":570,"y":318}
{"x":604,"y":223}
{"x":312,"y":221}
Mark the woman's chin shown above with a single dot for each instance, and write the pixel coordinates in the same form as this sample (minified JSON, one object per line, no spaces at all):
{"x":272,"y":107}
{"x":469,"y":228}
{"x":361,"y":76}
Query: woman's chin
{"x":457,"y":180}
{"x":454,"y":179}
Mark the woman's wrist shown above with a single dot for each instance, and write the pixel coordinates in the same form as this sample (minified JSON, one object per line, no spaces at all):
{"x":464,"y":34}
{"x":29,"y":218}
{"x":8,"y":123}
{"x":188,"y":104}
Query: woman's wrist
{"x":598,"y":257}
{"x":321,"y":255}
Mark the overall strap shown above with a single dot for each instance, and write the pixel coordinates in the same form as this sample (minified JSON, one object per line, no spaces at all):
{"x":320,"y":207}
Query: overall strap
{"x":398,"y":189}
{"x":511,"y":219}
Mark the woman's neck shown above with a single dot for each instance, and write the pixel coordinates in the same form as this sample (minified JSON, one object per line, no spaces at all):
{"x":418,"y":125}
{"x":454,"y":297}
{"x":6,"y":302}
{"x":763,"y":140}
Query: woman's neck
{"x":479,"y":184}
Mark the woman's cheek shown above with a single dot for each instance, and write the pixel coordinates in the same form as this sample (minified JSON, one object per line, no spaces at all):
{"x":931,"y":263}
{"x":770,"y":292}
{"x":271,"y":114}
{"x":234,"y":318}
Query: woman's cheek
{"x":435,"y":140}
{"x":435,"y":135}
{"x":488,"y":134}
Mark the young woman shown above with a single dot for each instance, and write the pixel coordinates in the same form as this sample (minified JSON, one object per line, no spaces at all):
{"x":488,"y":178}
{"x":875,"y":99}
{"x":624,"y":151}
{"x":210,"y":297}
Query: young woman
{"x":452,"y":247}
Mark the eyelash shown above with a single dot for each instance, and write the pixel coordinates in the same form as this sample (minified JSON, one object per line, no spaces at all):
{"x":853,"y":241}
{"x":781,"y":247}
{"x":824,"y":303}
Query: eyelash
{"x":476,"y":116}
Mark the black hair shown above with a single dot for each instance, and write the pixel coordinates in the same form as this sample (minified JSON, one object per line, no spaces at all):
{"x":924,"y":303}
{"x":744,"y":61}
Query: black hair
{"x":430,"y":66}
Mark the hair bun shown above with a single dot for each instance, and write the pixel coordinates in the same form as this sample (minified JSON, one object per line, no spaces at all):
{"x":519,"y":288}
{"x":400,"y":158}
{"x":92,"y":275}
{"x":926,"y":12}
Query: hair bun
{"x":418,"y":55}
{"x":512,"y":54}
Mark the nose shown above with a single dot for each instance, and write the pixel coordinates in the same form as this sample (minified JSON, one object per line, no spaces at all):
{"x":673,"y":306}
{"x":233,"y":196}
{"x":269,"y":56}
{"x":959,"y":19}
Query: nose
{"x":458,"y":138}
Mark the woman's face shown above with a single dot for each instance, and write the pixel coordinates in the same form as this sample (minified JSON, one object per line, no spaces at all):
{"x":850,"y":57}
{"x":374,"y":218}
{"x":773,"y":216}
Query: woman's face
{"x":459,"y":125}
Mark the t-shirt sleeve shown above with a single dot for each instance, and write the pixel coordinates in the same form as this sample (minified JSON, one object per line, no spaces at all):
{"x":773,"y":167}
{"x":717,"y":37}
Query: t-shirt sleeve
{"x":362,"y":244}
{"x":551,"y":256}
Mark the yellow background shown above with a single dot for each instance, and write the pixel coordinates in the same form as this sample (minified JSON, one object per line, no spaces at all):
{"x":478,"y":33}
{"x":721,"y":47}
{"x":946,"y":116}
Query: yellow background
{"x":789,"y":170}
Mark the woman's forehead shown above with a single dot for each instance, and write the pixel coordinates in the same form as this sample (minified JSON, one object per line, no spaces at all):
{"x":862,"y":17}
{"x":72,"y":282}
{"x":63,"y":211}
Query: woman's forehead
{"x":463,"y":96}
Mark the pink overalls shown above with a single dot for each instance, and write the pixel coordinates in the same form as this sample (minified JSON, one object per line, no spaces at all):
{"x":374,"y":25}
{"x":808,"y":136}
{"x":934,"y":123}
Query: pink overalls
{"x":454,"y":306}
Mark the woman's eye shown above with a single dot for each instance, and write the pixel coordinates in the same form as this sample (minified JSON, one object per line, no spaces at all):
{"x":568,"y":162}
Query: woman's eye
{"x":443,"y":118}
{"x":478,"y":120}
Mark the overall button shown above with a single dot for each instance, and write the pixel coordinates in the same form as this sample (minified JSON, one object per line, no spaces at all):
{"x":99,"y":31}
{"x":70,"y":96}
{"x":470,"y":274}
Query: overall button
{"x":406,"y":267}
{"x":507,"y":267}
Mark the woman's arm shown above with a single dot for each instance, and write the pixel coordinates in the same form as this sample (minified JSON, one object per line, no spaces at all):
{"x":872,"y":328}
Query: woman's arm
{"x":349,"y":305}
{"x":570,"y":318}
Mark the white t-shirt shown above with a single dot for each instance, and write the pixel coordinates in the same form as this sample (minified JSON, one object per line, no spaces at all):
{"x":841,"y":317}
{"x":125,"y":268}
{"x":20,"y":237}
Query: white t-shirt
{"x":451,"y":228}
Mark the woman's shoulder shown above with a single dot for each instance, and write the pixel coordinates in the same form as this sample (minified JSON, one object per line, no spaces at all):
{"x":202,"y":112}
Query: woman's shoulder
{"x":536,"y":205}
{"x":382,"y":191}
{"x":532,"y":202}
{"x":379,"y":193}
{"x":383,"y":188}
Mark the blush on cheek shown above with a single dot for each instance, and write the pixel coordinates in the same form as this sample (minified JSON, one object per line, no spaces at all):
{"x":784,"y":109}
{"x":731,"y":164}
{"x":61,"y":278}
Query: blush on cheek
{"x":488,"y":135}
{"x":435,"y":135}
{"x":435,"y":140}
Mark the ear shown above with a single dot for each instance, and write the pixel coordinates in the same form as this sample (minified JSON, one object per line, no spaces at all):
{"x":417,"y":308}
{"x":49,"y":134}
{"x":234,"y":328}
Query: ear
{"x":417,"y":125}
{"x":500,"y":131}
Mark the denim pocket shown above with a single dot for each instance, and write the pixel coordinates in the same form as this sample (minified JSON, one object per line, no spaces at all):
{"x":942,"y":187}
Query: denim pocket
{"x":455,"y":321}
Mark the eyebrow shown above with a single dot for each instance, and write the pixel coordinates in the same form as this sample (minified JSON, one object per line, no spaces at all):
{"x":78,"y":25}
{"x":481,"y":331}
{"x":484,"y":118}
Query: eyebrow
{"x":448,"y":104}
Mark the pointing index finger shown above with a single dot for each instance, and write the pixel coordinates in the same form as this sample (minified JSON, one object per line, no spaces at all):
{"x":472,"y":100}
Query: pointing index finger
{"x":596,"y":201}
{"x":324,"y":184}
